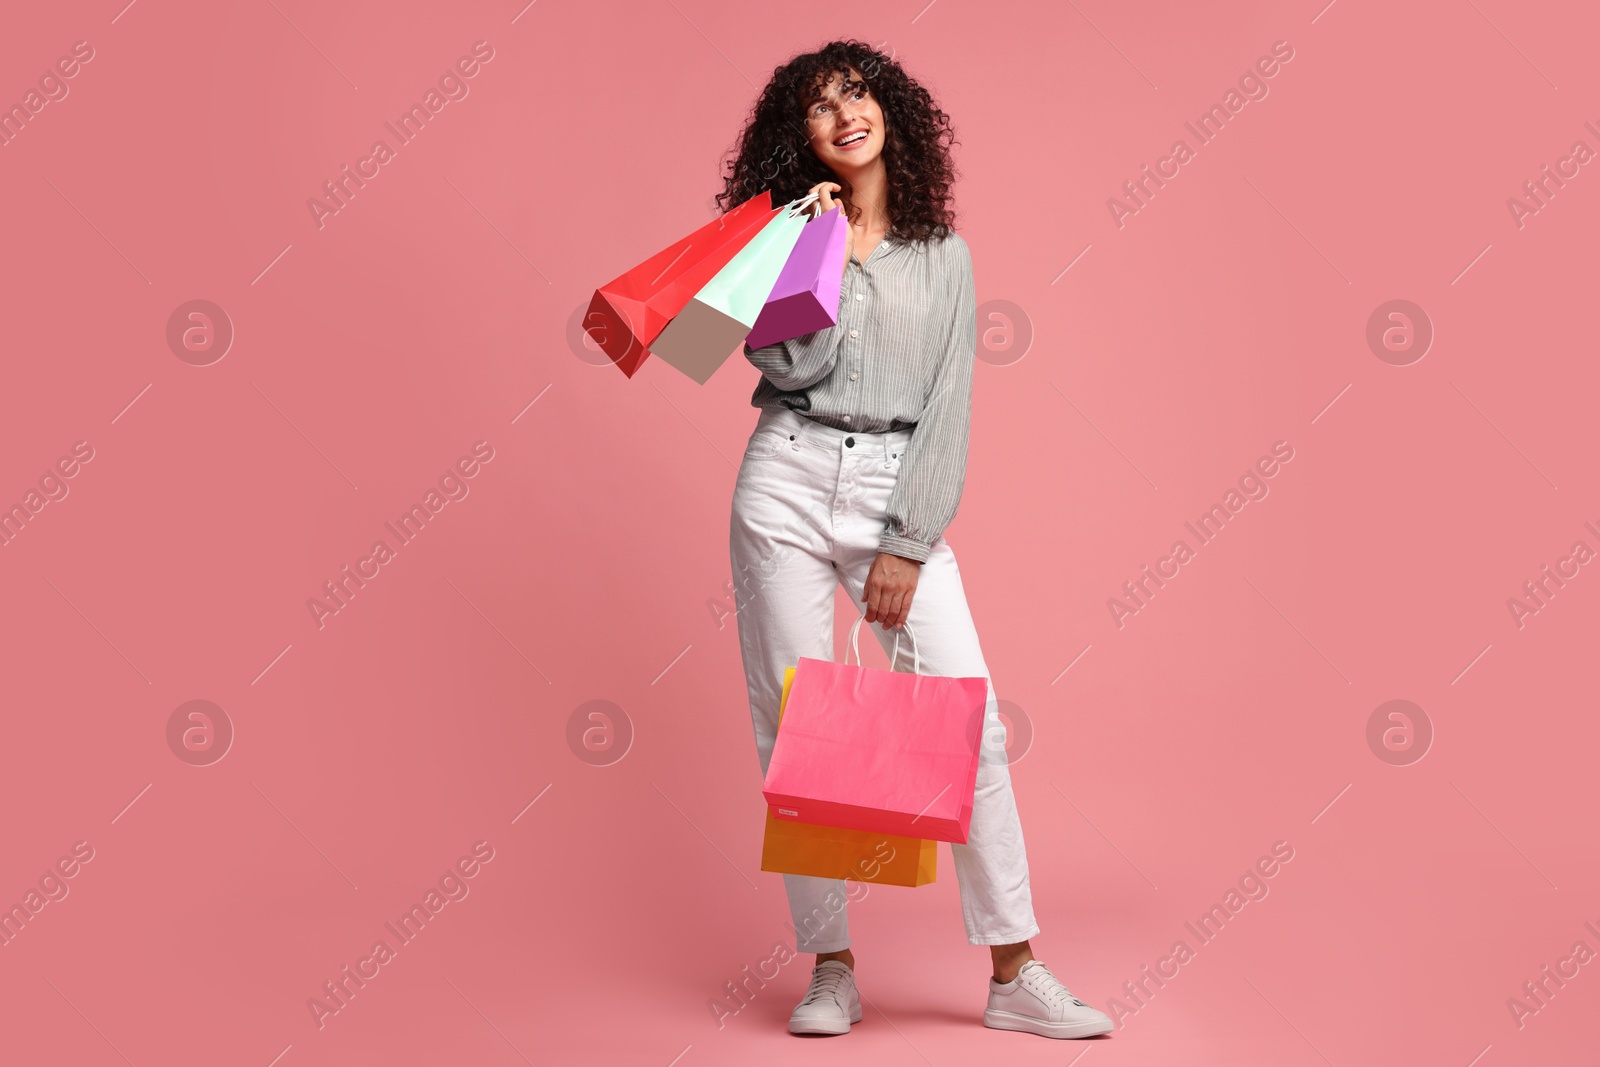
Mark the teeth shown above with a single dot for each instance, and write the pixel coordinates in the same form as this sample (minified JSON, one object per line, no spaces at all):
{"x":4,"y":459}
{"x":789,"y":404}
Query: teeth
{"x":851,"y":139}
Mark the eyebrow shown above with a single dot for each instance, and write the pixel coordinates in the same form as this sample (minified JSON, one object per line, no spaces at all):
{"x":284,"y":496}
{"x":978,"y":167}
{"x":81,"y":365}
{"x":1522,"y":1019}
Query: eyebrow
{"x":846,"y":86}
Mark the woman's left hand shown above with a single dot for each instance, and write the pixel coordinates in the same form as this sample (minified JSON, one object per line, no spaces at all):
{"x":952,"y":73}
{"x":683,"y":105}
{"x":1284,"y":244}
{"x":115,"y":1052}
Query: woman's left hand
{"x":891,"y":583}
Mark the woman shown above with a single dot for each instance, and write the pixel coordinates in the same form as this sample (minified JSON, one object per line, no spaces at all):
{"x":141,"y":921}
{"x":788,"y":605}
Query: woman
{"x":855,"y":468}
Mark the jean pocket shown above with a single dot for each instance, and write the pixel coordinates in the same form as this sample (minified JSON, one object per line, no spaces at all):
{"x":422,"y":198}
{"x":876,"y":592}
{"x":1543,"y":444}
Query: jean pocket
{"x":765,"y":443}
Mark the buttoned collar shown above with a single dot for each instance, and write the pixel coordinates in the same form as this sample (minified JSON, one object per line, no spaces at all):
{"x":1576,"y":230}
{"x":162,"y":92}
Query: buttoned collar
{"x":885,"y":248}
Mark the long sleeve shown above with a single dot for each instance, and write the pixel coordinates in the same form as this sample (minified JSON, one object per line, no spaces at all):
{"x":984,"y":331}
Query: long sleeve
{"x":802,"y":361}
{"x":933,"y":470}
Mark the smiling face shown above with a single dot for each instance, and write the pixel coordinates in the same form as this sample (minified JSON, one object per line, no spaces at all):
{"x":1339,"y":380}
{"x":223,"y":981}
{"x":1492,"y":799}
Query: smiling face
{"x":845,"y":124}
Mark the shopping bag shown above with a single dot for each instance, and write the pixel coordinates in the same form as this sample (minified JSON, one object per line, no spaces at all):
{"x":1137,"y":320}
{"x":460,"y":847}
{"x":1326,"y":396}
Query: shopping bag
{"x":833,"y":852}
{"x":879,"y":750}
{"x":630,"y":311}
{"x":806,"y":296}
{"x":714,"y":323}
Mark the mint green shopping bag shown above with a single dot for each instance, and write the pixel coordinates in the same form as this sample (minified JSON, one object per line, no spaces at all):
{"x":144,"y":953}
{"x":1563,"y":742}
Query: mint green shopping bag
{"x":701,"y":337}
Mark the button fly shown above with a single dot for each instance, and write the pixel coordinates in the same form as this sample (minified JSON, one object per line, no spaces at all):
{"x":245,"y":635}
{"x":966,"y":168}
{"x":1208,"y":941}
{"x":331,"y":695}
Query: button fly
{"x":850,"y":442}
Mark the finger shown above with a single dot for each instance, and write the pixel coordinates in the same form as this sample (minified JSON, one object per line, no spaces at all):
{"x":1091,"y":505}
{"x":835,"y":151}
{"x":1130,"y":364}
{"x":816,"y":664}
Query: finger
{"x":870,"y":599}
{"x":894,"y":615}
{"x":905,"y":607}
{"x":880,"y":603}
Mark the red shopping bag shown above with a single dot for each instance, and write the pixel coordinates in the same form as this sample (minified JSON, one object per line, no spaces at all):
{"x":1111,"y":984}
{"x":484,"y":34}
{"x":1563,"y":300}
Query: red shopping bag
{"x":631,"y":310}
{"x":879,"y":750}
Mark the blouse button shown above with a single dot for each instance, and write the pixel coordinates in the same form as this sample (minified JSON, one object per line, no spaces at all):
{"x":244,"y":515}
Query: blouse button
{"x":852,"y":377}
{"x":861,"y":296}
{"x":854,"y":333}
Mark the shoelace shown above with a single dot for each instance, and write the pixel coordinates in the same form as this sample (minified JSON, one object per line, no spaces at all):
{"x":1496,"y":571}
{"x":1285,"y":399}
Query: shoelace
{"x":826,"y":983}
{"x":1047,"y":986}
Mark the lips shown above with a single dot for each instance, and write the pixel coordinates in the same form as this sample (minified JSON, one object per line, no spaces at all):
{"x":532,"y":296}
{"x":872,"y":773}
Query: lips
{"x":851,"y":139}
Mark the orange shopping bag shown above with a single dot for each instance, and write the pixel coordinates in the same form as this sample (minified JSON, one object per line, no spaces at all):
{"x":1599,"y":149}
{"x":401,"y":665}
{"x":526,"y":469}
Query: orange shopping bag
{"x":835,"y":852}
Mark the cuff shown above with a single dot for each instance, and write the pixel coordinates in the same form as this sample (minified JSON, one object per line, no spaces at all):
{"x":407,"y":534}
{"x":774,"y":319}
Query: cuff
{"x":904,"y":546}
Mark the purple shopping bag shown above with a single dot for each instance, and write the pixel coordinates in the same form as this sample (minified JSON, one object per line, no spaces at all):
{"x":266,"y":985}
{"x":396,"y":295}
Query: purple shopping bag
{"x":806,"y":296}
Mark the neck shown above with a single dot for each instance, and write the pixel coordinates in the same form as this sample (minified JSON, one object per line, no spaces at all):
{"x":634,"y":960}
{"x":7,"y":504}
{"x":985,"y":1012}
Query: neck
{"x":869,"y":192}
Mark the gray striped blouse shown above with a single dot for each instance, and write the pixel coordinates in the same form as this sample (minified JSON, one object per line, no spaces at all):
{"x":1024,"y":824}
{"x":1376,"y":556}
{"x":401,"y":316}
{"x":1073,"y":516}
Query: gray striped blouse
{"x":900,"y":356}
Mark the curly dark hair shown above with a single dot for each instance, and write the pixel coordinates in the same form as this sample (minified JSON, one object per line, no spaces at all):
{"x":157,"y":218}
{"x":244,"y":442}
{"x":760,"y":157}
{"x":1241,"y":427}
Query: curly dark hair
{"x":774,"y":151}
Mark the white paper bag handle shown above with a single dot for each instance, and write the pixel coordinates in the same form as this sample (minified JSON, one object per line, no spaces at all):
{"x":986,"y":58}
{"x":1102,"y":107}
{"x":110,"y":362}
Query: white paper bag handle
{"x":799,"y":204}
{"x":855,"y":643}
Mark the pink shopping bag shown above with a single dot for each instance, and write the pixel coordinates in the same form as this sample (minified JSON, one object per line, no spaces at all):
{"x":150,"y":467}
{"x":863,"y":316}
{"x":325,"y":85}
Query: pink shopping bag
{"x":879,"y":750}
{"x":805,"y":298}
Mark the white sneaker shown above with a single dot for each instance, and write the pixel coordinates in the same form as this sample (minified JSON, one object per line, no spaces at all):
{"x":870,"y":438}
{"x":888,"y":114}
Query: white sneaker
{"x":1037,"y":1003}
{"x":831,"y":1003}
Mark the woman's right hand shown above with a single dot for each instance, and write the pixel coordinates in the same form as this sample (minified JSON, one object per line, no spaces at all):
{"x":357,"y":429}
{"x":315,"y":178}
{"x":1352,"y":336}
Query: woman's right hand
{"x":825,"y":191}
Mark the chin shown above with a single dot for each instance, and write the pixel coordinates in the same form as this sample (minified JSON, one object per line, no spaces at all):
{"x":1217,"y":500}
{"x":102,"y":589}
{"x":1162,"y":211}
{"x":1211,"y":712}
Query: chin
{"x":855,"y":160}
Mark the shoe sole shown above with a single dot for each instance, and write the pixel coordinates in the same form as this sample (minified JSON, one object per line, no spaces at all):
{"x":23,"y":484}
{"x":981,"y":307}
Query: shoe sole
{"x":818,"y":1026}
{"x":1005,"y":1020}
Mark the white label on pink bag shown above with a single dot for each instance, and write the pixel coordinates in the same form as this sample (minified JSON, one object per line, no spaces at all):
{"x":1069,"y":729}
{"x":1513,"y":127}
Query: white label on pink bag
{"x":786,"y":811}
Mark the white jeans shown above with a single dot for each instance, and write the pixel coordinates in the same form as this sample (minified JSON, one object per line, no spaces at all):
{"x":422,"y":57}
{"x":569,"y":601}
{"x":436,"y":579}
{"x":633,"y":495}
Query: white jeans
{"x":808,"y":509}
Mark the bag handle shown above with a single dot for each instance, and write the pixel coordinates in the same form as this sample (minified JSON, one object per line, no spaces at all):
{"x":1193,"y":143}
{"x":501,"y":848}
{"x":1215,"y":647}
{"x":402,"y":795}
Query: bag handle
{"x":800,"y":203}
{"x":817,"y":212}
{"x":855,"y":643}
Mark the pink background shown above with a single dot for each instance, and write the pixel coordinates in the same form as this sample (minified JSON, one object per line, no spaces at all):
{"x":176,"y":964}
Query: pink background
{"x":589,"y":560}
